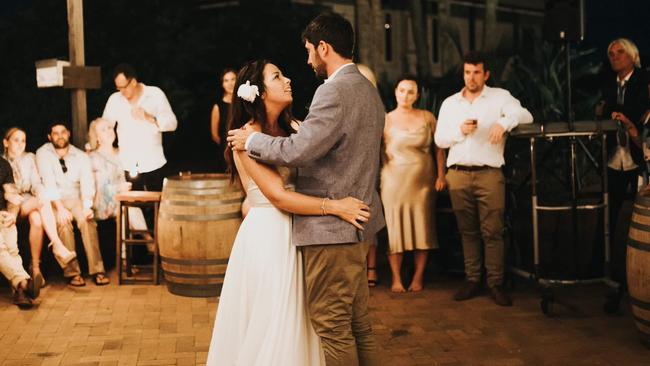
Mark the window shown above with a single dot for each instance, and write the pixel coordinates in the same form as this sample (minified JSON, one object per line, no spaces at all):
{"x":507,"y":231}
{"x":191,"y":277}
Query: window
{"x":435,"y":54}
{"x":388,"y":35}
{"x":472,"y":29}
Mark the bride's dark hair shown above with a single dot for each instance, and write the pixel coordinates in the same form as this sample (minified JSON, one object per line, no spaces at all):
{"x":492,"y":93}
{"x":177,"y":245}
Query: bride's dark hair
{"x":242,"y":111}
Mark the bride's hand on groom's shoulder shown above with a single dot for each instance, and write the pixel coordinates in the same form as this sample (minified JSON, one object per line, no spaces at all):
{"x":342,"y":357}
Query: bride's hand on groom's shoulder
{"x":351,"y":210}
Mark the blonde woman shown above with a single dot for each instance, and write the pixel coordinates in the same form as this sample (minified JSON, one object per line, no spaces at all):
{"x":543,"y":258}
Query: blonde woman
{"x":34,"y":205}
{"x":109,"y":174}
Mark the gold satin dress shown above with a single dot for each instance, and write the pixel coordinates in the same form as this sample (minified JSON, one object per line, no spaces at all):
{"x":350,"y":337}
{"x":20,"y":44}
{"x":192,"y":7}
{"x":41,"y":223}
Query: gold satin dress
{"x":408,"y":189}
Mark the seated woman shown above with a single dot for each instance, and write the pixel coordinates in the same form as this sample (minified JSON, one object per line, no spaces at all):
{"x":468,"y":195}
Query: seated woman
{"x":109,"y":175}
{"x":34,"y":205}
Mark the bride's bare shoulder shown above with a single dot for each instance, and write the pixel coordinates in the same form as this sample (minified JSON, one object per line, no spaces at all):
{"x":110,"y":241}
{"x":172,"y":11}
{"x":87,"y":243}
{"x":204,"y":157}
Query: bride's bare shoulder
{"x":252,"y":126}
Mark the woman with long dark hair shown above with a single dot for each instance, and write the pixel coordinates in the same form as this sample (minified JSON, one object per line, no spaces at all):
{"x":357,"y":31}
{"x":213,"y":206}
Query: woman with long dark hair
{"x":219,"y":115}
{"x":262,"y":319}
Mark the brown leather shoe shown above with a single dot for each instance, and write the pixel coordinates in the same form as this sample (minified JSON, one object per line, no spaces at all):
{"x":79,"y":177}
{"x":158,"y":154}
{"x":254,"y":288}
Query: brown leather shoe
{"x":21,"y":300}
{"x":499,"y":296}
{"x":469,"y":290}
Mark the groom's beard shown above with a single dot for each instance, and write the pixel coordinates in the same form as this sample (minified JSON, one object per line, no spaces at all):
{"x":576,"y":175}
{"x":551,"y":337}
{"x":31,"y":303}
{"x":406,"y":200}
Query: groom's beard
{"x":321,"y":71}
{"x":319,"y":68}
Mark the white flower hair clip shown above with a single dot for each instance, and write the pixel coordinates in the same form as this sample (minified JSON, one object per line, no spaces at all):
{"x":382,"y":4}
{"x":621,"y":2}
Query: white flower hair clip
{"x":248,"y":92}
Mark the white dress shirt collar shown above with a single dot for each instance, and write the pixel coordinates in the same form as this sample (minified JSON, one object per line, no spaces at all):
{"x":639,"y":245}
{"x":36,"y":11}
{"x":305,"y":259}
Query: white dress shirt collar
{"x":626,"y":78}
{"x":337,"y":71}
{"x":484,"y":93}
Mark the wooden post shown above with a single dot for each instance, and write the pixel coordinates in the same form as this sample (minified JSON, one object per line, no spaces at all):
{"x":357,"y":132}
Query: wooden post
{"x":77,"y":58}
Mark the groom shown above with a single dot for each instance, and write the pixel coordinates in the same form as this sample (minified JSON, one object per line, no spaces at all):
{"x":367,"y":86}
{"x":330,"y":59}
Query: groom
{"x":337,"y":152}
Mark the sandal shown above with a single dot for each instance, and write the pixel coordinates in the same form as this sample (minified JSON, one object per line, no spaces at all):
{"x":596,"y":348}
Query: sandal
{"x":372,"y":282}
{"x":35,"y":283}
{"x":62,"y":258}
{"x":77,"y":281}
{"x":101,"y":279}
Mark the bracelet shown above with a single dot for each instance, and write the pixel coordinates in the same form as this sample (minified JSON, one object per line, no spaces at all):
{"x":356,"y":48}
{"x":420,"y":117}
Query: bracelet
{"x":322,"y":207}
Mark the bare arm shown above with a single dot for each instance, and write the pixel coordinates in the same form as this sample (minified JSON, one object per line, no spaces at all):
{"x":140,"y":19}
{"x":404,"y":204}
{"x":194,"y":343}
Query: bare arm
{"x":270,"y":183}
{"x":384,"y":154}
{"x":441,"y":157}
{"x":214,"y":124}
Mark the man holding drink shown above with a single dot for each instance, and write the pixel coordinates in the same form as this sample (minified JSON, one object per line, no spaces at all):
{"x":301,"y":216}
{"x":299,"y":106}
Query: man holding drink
{"x":472,"y":124}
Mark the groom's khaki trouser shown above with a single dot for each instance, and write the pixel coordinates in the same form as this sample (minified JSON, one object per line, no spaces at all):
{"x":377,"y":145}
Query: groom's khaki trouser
{"x":337,"y":299}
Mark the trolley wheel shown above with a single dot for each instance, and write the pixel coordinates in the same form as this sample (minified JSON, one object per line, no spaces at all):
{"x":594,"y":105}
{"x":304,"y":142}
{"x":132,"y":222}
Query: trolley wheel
{"x":509,"y":282}
{"x":612,"y":305}
{"x":546,"y":304}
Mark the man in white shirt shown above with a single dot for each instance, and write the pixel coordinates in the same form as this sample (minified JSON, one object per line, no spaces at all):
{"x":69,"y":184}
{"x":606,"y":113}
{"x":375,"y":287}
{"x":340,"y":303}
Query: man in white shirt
{"x":142,"y":114}
{"x":68,"y":182}
{"x":472,"y":124}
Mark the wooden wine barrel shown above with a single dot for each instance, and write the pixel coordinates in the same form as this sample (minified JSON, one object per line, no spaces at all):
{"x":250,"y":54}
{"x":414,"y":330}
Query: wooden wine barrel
{"x":638,"y":266}
{"x":197,"y":223}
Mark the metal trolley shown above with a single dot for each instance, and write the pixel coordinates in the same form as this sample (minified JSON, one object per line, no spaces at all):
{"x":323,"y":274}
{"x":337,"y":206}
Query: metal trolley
{"x":550,"y":131}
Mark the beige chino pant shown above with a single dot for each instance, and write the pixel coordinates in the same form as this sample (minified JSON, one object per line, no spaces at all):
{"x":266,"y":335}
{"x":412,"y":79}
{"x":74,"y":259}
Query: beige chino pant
{"x":478,"y":200}
{"x":11,"y":264}
{"x":88,"y":229}
{"x":337,"y":300}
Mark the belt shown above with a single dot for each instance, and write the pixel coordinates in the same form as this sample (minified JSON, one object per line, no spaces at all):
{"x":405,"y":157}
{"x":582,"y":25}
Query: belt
{"x":470,"y":168}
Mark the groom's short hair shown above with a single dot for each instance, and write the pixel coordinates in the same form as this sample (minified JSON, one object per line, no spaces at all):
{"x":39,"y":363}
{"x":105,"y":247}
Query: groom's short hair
{"x":333,"y":29}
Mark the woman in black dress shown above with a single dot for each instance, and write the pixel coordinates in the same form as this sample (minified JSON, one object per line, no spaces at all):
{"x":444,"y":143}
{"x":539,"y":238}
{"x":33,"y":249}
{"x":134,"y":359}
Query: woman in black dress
{"x":219,"y":117}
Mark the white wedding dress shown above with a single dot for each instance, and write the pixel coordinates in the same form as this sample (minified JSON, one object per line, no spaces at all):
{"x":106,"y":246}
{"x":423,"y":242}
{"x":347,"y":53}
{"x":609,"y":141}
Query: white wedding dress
{"x":261,"y":318}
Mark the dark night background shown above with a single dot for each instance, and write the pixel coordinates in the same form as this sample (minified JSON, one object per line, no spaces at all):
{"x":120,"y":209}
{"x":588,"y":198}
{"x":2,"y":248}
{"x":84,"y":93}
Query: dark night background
{"x":182,"y":49}
{"x":172,"y":44}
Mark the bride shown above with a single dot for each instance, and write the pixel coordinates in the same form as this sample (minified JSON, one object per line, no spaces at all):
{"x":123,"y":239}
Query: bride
{"x":262,"y":318}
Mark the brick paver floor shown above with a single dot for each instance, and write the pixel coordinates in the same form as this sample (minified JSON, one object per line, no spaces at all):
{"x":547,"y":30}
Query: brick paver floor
{"x":146,"y":325}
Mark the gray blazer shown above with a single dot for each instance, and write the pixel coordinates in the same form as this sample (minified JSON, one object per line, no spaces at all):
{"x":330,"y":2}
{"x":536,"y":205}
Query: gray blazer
{"x":337,"y":151}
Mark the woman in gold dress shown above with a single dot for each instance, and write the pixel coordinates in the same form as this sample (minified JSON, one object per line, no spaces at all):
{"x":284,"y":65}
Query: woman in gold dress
{"x":409,"y":181}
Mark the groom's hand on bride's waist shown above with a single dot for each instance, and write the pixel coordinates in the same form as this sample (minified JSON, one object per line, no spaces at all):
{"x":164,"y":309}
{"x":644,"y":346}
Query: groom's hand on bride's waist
{"x":237,"y":138}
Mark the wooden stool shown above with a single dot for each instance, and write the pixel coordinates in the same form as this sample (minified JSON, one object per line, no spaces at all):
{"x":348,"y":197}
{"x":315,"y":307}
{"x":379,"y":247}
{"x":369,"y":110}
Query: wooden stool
{"x":125,"y":234}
